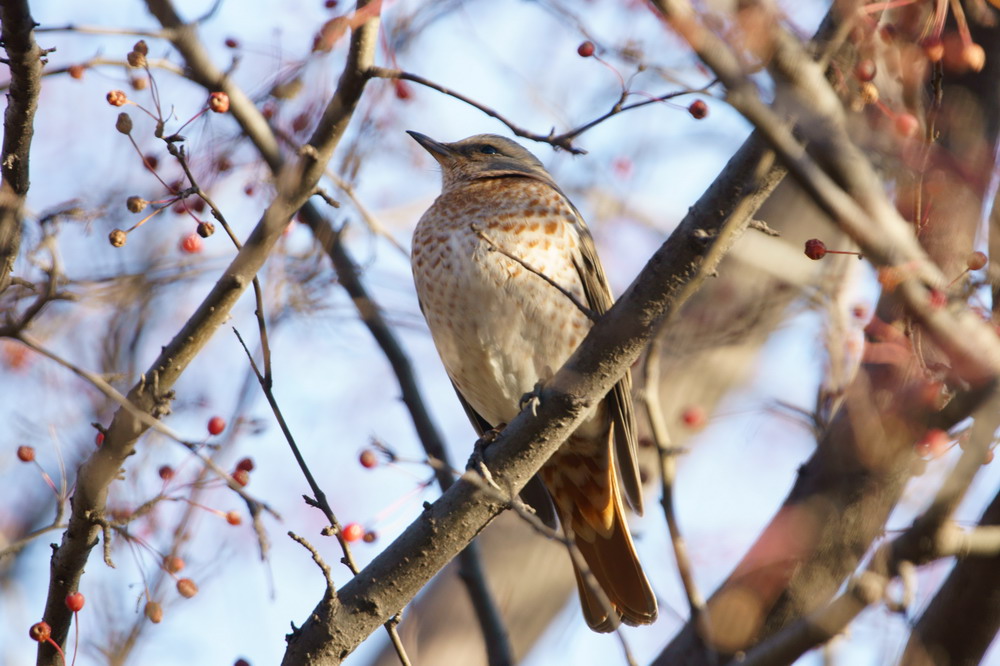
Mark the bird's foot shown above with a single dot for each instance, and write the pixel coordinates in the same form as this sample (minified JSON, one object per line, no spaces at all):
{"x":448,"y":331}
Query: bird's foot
{"x":532,"y":398}
{"x":477,"y":461}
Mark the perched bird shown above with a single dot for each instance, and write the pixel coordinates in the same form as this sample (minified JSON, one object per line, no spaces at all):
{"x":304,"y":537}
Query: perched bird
{"x":495,"y":260}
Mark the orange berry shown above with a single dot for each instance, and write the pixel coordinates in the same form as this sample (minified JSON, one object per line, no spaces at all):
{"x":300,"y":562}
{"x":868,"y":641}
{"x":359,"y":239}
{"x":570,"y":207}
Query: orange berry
{"x":191,"y":244}
{"x":352,"y":532}
{"x":586,"y":49}
{"x":234,"y":518}
{"x":117,"y":98}
{"x":172,"y":564}
{"x":368,"y":459}
{"x":40,"y":631}
{"x":698,"y":109}
{"x":187,"y":588}
{"x":694,"y":416}
{"x":154,"y":611}
{"x":975,"y":261}
{"x":218,"y":102}
{"x":26,"y":453}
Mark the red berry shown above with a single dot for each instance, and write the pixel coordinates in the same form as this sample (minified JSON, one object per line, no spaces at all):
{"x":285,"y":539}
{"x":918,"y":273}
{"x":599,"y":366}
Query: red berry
{"x":234,"y":518}
{"x":187,"y":588}
{"x":25,"y":453}
{"x":369,"y":537}
{"x":76,"y":71}
{"x":352,"y":532}
{"x":402,"y":89}
{"x":906,"y":125}
{"x":172,"y":564}
{"x":975,"y":261}
{"x":74,"y":601}
{"x":622,"y":167}
{"x":154,"y":611}
{"x":330,"y":4}
{"x":166,"y":472}
{"x":694,"y":416}
{"x":231,"y":43}
{"x":698,"y":109}
{"x":218,"y":102}
{"x":191,"y":243}
{"x":241,"y":476}
{"x":40,"y":631}
{"x":586,"y":49}
{"x":934,"y":443}
{"x":865,"y":70}
{"x":245,"y":464}
{"x":99,"y":438}
{"x":216,"y":425}
{"x":815,"y":249}
{"x":300,"y":122}
{"x":368,"y":459}
{"x":241,"y":661}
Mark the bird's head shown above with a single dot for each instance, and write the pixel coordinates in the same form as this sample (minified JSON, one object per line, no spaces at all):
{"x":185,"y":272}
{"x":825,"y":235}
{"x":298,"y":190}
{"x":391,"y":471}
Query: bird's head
{"x":481,"y":156}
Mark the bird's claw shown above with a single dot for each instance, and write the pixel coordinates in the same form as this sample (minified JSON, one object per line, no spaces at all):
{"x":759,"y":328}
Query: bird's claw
{"x":532,"y":398}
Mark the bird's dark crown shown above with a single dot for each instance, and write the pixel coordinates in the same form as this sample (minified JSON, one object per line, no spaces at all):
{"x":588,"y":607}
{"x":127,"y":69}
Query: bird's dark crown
{"x":482,"y":156}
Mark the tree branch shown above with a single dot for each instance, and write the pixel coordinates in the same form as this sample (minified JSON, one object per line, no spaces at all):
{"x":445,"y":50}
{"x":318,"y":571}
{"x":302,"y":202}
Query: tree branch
{"x":25,"y":60}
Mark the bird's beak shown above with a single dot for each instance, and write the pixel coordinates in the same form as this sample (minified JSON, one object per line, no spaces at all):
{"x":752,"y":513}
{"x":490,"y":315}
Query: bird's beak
{"x":437,"y":149}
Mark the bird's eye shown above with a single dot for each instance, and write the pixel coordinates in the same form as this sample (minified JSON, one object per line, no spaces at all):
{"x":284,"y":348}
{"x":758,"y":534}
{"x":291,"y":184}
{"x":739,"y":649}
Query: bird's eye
{"x":488,"y":150}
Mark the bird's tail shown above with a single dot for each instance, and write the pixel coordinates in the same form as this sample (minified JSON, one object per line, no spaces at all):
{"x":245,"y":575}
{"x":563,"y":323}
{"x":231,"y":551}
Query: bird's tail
{"x":612,"y":585}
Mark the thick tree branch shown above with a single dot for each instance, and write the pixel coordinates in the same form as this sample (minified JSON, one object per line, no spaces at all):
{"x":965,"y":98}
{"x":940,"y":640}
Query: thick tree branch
{"x":295,"y":184}
{"x":25,"y":60}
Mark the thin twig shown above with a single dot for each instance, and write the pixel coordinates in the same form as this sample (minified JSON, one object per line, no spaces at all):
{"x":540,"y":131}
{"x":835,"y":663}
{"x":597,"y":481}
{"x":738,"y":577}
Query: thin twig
{"x":318,"y":500}
{"x":590,"y":314}
{"x":258,"y":292}
{"x":149,"y":421}
{"x":564,"y":140}
{"x":668,"y":470}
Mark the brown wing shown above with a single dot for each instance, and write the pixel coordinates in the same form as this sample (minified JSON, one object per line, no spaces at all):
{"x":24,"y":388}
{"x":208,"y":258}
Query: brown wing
{"x":598,"y":293}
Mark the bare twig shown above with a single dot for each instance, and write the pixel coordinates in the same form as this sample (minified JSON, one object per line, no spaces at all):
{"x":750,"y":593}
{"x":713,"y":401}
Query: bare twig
{"x":668,"y":470}
{"x":591,"y":315}
{"x":149,"y":421}
{"x":564,"y":140}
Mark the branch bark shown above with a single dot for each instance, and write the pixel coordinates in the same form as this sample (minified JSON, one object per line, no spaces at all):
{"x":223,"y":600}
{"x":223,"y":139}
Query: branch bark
{"x":17,"y":31}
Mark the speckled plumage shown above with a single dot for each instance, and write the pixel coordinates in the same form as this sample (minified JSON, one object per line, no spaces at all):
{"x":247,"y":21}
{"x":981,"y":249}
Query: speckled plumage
{"x":500,"y":327}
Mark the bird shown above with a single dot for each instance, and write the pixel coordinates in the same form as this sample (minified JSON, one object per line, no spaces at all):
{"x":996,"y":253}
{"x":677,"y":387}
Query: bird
{"x":509,"y":282}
